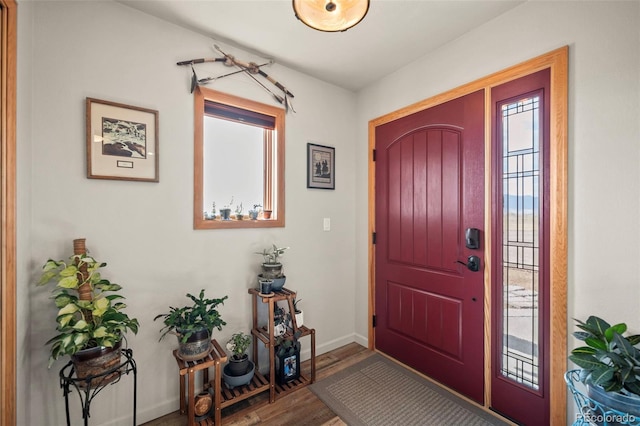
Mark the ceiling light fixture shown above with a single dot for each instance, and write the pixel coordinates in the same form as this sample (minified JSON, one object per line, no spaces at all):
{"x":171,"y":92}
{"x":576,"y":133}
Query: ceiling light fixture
{"x":330,"y":15}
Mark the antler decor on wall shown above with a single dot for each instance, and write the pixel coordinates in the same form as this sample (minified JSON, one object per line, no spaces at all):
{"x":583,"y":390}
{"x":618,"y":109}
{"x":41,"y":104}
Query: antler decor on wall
{"x":249,"y":68}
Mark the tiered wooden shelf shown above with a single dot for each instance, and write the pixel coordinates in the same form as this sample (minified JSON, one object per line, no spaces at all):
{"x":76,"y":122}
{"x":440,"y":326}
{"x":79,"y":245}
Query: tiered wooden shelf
{"x":265,"y":335}
{"x":222,"y":396}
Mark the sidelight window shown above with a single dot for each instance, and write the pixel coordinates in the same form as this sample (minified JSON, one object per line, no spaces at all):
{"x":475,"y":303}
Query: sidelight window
{"x":521,"y":201}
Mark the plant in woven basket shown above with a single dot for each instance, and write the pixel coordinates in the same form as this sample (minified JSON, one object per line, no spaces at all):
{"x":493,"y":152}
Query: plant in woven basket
{"x":89,"y":309}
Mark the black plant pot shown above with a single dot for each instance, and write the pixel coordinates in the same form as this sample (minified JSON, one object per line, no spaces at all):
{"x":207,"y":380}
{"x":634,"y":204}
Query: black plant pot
{"x":238,"y":367}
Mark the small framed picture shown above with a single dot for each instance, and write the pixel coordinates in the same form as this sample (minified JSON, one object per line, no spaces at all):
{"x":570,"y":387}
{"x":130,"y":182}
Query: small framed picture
{"x":288,"y":367}
{"x":122,"y":141}
{"x":321,"y":166}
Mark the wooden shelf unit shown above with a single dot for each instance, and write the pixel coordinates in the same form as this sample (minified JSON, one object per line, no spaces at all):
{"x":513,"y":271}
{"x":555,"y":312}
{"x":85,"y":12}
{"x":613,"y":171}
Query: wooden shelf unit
{"x":266,"y":336}
{"x":222,"y":396}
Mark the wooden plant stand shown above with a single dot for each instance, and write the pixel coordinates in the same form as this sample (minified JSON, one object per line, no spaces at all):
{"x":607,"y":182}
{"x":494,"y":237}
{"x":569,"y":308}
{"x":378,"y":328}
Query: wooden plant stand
{"x":266,"y":336}
{"x":222,"y":397}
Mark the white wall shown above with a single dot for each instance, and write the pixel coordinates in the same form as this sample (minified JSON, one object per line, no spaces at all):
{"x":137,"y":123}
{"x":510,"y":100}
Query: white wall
{"x":604,"y":136}
{"x":144,"y":230}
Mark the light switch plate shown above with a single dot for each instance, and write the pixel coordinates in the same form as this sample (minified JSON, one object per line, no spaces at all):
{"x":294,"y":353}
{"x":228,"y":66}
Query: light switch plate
{"x":326,"y":224}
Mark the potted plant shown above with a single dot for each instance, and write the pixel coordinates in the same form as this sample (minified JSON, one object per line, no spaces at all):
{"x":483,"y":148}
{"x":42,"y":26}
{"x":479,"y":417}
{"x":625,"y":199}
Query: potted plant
{"x":272,"y":267}
{"x":264,"y":285}
{"x":193,"y":325}
{"x":239,"y":370}
{"x":212,"y":215}
{"x":239,"y":215}
{"x":253,"y":213}
{"x":225,"y":211}
{"x":610,"y":364}
{"x":298,"y":312}
{"x":280,"y":320}
{"x":90,"y":321}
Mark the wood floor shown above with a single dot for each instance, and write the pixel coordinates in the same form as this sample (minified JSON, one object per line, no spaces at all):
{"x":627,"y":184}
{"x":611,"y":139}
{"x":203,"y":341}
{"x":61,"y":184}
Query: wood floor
{"x":309,"y":410}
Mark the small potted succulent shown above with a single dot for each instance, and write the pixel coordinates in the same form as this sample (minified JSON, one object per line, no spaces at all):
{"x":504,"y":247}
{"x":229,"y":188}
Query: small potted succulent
{"x":239,"y":370}
{"x":225,"y":211}
{"x":253,"y":213}
{"x":212,"y":215}
{"x":193,"y":325}
{"x":239,"y":214}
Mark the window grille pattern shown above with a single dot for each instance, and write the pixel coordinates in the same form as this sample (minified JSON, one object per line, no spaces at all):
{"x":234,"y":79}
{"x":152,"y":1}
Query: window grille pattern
{"x":521,"y":159}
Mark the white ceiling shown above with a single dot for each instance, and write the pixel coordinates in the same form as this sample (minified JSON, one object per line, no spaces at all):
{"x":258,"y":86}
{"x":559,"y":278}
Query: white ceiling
{"x":393,"y":34}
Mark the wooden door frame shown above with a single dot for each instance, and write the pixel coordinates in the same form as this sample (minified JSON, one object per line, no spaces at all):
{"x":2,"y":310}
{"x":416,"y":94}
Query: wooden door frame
{"x":8,"y":52}
{"x":557,"y":62}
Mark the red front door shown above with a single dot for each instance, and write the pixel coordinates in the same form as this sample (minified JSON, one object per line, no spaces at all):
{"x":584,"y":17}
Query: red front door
{"x":429,"y":190}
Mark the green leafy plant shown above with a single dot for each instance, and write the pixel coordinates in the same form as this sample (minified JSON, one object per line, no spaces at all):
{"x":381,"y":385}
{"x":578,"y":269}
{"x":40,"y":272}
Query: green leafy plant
{"x":288,"y":345}
{"x":93,"y":320}
{"x":609,"y":359}
{"x":185,"y":321}
{"x":272,"y":255}
{"x":238,"y":344}
{"x":280,"y":316}
{"x":239,"y":209}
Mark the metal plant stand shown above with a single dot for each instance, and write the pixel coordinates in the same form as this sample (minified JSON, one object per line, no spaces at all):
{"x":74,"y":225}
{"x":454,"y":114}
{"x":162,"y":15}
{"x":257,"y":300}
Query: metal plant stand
{"x":90,"y":386}
{"x":591,"y":412}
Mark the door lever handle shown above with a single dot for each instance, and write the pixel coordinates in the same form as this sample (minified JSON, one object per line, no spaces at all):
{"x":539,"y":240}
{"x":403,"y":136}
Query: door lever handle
{"x":472,"y":263}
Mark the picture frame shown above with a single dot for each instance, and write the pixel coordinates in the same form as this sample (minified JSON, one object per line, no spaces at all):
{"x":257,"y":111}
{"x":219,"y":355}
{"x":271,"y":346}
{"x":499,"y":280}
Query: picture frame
{"x":321,"y":166}
{"x":288,"y":367}
{"x":122,"y":141}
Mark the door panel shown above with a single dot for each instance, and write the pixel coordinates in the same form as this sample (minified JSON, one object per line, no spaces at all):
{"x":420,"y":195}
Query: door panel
{"x":427,"y":318}
{"x":520,"y":380}
{"x":429,"y":189}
